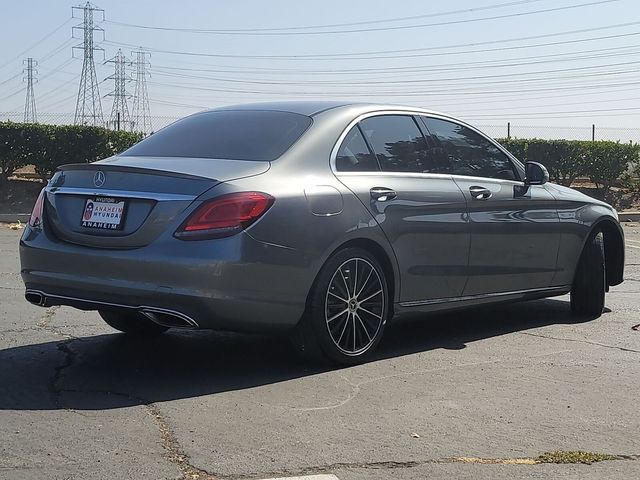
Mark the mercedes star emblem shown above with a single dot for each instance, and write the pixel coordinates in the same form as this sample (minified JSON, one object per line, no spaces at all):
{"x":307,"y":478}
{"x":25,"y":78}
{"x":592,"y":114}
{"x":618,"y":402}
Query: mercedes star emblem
{"x":99,"y":178}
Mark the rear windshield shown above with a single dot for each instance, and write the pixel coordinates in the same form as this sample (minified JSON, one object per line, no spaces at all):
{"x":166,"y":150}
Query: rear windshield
{"x":233,"y":135}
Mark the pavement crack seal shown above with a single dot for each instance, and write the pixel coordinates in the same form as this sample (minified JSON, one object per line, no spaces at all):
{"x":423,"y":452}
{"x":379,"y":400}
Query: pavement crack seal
{"x":588,"y":342}
{"x":556,"y":457}
{"x":69,"y":360}
{"x":174,"y":452}
{"x":45,"y":323}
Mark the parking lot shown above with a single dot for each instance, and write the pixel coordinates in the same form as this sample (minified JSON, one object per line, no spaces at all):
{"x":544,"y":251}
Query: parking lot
{"x":476,"y":394}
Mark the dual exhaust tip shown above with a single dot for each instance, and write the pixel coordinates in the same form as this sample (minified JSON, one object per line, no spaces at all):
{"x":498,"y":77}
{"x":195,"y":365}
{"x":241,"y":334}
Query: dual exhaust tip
{"x":161,"y":316}
{"x":36,"y":298}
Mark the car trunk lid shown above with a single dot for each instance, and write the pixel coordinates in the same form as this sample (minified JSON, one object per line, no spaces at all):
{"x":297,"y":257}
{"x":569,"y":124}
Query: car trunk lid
{"x":127,"y":202}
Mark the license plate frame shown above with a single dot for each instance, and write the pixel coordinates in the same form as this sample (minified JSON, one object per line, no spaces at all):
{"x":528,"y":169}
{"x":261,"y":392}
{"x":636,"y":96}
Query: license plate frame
{"x":104,"y":213}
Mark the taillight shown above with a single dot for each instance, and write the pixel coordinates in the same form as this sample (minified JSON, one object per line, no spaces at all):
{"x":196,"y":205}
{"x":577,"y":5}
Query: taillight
{"x":224,"y":216}
{"x":36,"y":214}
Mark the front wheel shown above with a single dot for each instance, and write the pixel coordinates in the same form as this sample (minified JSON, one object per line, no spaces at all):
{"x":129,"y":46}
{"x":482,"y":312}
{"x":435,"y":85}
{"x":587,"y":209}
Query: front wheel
{"x":589,"y":284}
{"x":347,"y":309}
{"x":131,"y":322}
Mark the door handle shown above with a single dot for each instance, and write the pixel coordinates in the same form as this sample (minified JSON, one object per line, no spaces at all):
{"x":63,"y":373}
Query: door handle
{"x":480,"y":193}
{"x":382,"y":194}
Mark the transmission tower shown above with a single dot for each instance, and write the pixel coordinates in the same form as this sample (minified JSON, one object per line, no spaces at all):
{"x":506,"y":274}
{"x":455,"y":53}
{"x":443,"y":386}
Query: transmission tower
{"x":141,"y":115}
{"x":88,"y":106}
{"x":119,"y":111}
{"x":30,"y":115}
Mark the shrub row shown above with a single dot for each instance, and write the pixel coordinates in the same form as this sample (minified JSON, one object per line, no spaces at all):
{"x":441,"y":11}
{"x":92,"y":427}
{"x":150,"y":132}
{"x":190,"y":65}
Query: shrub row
{"x":48,"y":146}
{"x":604,"y":163}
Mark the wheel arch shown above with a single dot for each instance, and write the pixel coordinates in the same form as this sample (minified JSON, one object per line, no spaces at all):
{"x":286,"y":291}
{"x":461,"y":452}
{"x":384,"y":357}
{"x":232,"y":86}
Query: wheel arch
{"x":385,"y":258}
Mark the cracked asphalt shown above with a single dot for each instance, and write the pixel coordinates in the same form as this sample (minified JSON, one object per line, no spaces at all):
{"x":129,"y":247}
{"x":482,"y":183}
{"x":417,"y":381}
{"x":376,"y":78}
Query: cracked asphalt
{"x":80,"y":401}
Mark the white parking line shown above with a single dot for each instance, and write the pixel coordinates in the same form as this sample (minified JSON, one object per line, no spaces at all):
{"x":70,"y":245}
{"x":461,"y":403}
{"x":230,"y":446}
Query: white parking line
{"x":307,"y":477}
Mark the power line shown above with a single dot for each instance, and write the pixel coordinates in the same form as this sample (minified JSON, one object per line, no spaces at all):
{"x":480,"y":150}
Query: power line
{"x":11,"y":78}
{"x":373,"y":29}
{"x":393,"y":54}
{"x":399,"y":82}
{"x":48,"y":35}
{"x":440,"y":90}
{"x":315,"y":27}
{"x":419,"y":69}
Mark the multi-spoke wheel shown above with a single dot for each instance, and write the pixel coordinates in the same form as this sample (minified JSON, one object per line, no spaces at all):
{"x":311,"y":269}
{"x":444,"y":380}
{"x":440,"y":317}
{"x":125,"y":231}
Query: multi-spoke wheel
{"x":354,"y":306}
{"x":347,"y":310}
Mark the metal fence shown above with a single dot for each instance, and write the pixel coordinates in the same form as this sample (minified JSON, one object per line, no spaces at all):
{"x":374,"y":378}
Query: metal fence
{"x":503,"y":130}
{"x":550,"y":132}
{"x":157,"y":122}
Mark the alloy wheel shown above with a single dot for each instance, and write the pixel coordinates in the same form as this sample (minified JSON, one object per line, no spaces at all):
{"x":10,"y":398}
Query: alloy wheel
{"x":355,"y":306}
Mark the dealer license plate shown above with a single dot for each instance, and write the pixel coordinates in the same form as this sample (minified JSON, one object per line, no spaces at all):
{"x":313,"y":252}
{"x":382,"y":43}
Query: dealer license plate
{"x":104,"y":213}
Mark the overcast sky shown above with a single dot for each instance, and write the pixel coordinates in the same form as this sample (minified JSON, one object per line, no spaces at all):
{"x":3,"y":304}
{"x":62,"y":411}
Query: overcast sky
{"x":531,"y":62}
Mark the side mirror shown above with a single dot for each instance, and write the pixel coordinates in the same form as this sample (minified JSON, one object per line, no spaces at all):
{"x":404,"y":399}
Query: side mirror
{"x":535,"y":174}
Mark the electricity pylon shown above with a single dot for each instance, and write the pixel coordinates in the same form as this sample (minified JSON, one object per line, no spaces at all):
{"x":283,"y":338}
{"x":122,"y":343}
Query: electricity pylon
{"x":119,"y":118}
{"x":141,"y":114}
{"x":88,"y":106}
{"x":30,"y":115}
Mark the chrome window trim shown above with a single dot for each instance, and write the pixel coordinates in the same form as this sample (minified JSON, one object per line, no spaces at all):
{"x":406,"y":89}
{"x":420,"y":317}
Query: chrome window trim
{"x":379,"y":173}
{"x":91,"y":192}
{"x":424,"y":113}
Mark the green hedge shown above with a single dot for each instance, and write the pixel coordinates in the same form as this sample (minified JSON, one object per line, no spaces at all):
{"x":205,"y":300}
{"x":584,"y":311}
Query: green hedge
{"x":48,"y":146}
{"x":605,"y":163}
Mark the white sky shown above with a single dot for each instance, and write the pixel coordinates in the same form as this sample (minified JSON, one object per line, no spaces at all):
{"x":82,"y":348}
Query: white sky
{"x":528,"y":69}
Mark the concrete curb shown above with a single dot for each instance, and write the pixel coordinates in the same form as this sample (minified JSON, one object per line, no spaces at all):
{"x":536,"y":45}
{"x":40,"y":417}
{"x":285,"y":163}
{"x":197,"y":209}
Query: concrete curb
{"x":629,"y":216}
{"x":14,"y":217}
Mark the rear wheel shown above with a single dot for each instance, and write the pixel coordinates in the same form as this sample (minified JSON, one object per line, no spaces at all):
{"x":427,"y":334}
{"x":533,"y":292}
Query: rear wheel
{"x":131,"y":322}
{"x":589,"y":284}
{"x":347,"y":311}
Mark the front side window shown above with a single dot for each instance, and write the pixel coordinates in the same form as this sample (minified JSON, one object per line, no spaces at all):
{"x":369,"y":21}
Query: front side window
{"x":468,"y":152}
{"x":255,"y":135}
{"x":354,"y":155}
{"x":398,"y":144}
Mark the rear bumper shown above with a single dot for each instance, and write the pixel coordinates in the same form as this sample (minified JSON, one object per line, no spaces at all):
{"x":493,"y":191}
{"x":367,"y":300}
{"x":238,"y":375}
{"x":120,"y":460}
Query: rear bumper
{"x":236,"y":283}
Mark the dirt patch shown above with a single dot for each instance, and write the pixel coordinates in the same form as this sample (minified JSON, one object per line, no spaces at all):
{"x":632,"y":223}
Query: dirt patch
{"x":578,"y":456}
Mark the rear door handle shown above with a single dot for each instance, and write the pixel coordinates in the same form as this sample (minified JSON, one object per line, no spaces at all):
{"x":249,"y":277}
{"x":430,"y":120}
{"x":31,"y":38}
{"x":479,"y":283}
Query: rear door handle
{"x":382,"y":194}
{"x":480,"y":193}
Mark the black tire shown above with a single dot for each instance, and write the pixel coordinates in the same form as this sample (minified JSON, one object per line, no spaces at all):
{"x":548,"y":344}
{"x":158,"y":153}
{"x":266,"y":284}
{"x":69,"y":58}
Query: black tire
{"x":131,"y":322}
{"x":324,"y":334}
{"x":589,"y":283}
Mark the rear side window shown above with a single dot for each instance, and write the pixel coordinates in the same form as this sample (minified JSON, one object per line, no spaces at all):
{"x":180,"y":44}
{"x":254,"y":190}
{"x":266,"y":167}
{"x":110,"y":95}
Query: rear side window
{"x":398,"y":144}
{"x":354,"y":155}
{"x":233,"y":135}
{"x":468,"y":152}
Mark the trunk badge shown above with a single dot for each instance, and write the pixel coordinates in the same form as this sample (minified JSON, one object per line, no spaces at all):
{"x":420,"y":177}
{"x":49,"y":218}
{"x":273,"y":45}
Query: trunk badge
{"x":99,"y":178}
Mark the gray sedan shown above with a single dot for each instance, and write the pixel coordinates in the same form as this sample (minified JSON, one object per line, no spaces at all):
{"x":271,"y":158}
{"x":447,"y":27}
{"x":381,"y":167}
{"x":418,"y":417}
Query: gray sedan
{"x":324,"y":220}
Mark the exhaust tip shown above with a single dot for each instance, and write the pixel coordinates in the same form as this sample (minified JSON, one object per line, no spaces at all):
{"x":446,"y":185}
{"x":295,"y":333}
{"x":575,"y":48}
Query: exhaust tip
{"x":36,"y":298}
{"x":168,"y":318}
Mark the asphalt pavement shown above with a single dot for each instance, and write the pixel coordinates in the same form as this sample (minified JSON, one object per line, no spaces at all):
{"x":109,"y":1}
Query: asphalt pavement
{"x":475,"y":394}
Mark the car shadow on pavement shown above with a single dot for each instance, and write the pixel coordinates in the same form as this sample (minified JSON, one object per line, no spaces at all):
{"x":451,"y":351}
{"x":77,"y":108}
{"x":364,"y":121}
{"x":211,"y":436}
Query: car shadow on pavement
{"x":114,"y":370}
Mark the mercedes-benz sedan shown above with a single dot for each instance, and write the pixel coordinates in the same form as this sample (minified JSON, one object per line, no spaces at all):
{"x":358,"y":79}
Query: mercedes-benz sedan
{"x":323,"y":220}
